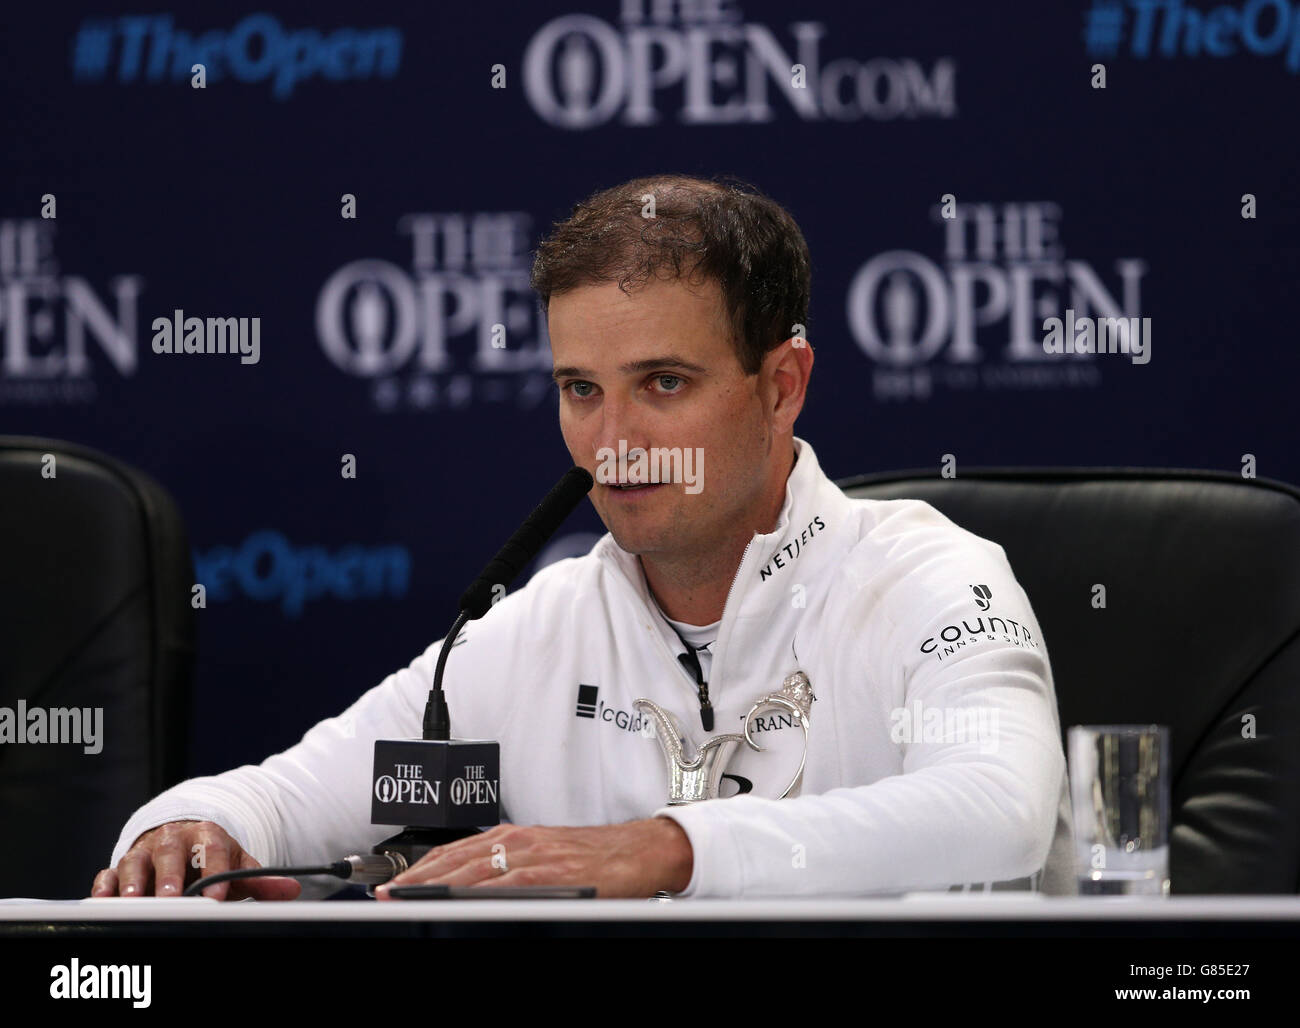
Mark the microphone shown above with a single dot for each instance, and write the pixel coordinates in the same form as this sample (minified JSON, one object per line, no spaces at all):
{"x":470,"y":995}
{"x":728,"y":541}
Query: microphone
{"x":407,"y":785}
{"x":526,"y":543}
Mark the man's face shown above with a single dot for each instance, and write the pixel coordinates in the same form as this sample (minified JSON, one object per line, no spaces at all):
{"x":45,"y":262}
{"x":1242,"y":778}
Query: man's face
{"x":657,"y":369}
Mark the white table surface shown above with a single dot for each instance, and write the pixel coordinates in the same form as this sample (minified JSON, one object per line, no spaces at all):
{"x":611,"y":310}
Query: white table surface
{"x":914,"y":907}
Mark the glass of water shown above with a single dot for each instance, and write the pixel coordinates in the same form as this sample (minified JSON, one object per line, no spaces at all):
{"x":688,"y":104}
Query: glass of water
{"x":1119,"y":788}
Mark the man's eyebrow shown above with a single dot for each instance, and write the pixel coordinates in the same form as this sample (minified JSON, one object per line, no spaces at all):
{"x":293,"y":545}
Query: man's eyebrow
{"x":635,"y":367}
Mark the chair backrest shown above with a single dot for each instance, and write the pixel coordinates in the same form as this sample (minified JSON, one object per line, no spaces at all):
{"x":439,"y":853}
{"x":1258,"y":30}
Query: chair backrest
{"x":1200,"y":631}
{"x":95,"y":616}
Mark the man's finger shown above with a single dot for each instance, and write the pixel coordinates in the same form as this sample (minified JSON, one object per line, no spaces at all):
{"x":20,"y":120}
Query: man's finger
{"x":468,"y":870}
{"x":135,"y":872}
{"x":271,"y":888}
{"x":169,"y":861}
{"x":105,"y":883}
{"x":217,"y":859}
{"x":444,"y":860}
{"x":433,"y":868}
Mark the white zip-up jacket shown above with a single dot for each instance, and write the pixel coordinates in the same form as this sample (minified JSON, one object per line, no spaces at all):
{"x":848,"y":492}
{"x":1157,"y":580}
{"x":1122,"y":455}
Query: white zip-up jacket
{"x":934,"y":755}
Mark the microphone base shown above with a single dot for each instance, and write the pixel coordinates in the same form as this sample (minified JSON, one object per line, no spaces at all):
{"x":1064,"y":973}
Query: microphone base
{"x":413,"y":843}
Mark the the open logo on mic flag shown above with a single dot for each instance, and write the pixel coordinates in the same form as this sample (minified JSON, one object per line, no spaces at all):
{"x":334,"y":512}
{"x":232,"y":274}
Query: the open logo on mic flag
{"x":452,"y":783}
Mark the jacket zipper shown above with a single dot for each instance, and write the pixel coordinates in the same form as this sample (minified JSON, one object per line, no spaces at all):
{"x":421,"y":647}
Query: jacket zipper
{"x":689,"y":658}
{"x":717,"y":663}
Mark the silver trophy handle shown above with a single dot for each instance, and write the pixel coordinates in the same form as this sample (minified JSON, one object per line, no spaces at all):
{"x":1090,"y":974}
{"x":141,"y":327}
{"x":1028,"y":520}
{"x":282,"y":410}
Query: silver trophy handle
{"x":699,"y":777}
{"x":691,"y":779}
{"x":796,"y":697}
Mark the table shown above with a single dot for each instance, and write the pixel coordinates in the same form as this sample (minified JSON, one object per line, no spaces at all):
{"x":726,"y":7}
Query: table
{"x":933,"y":915}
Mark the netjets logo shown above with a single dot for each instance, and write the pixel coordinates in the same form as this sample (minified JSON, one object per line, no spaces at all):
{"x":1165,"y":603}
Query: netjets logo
{"x":982,"y":596}
{"x":791,"y":549}
{"x":972,"y":319}
{"x":715,"y":68}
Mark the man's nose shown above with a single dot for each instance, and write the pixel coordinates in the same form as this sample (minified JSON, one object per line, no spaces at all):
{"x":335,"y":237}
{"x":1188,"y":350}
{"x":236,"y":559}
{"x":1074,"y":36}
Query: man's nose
{"x":619,"y":422}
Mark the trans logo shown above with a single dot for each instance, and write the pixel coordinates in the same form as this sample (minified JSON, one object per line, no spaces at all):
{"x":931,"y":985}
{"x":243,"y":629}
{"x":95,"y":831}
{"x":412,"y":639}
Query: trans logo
{"x":702,"y":63}
{"x":973,"y":318}
{"x":57,"y":331}
{"x":460,"y":327}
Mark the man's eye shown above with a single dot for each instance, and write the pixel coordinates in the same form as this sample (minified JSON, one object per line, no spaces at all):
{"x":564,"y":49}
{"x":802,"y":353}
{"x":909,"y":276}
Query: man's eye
{"x":574,"y":386}
{"x":669,"y":378}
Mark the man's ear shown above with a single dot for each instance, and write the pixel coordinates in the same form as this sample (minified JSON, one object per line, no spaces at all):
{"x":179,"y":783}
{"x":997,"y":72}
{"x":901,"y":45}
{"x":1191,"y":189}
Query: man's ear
{"x":786,"y":371}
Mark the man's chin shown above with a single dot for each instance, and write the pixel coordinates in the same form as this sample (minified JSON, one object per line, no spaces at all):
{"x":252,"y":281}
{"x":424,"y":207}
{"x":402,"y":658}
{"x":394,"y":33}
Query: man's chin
{"x":639,"y":542}
{"x":635,"y":545}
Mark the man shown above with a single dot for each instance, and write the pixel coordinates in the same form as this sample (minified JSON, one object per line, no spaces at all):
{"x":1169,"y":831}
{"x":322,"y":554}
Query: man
{"x":675,"y":309}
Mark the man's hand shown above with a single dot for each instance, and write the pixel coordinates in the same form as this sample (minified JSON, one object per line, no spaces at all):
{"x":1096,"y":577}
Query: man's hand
{"x":635,"y":859}
{"x":158,"y":863}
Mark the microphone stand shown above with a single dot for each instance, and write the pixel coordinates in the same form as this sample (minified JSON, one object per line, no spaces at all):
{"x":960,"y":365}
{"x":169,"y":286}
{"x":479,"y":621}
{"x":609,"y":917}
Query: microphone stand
{"x":412,"y":843}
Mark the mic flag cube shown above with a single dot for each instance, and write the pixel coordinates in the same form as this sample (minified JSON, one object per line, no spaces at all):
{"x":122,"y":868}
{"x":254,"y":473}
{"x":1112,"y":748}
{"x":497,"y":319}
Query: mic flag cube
{"x":452,"y":783}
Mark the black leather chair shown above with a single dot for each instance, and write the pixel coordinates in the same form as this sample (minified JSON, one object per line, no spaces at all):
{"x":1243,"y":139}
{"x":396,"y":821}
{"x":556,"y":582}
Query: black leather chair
{"x":1200,"y":632}
{"x":94,"y":613}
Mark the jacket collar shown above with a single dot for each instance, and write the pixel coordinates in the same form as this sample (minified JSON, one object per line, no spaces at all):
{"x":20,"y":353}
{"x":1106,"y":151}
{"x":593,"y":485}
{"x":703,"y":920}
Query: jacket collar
{"x":805,"y":544}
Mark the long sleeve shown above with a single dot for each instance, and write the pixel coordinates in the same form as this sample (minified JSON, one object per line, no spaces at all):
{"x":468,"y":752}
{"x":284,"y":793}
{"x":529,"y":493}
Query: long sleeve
{"x":978,"y":804}
{"x":309,"y":804}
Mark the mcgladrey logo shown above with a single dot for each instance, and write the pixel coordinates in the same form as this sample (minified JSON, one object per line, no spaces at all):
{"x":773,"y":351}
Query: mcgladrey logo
{"x":1168,"y":29}
{"x":459,"y":327}
{"x":973,"y":317}
{"x":267,"y":568}
{"x":256,"y":50}
{"x":52,"y":320}
{"x":705,"y":64}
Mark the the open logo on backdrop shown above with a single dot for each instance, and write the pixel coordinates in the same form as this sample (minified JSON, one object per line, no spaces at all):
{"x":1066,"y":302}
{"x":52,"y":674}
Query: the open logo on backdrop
{"x":51,"y":321}
{"x":459,"y":327}
{"x":709,"y":66}
{"x":973,"y":317}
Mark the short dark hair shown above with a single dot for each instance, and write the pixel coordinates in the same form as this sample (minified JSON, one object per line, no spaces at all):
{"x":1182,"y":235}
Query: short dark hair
{"x":725,"y":230}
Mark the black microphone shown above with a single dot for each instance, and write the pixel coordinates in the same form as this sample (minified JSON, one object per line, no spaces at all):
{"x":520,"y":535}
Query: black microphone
{"x":440,"y":788}
{"x":501,"y":570}
{"x":526,"y":543}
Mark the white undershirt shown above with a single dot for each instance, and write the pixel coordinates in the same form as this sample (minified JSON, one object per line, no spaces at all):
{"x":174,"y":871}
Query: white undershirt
{"x":699,"y":636}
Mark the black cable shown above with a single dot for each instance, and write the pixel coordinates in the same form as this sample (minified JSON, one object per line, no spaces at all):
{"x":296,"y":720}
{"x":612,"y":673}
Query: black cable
{"x":437,"y":718}
{"x":339,"y":869}
{"x":691,"y":662}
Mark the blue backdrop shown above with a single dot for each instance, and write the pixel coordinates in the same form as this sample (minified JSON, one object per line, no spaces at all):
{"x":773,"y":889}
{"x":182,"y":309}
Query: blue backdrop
{"x":463,"y":130}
